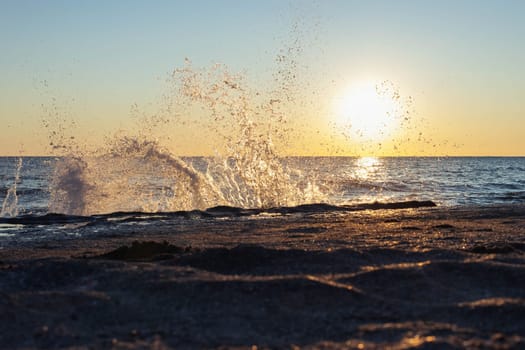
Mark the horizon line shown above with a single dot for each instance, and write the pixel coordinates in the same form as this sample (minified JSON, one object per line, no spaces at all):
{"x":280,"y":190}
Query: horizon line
{"x":310,"y":156}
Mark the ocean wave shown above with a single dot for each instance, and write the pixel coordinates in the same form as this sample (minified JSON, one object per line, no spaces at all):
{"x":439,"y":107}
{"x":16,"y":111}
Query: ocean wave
{"x":504,"y":186}
{"x":353,"y":185}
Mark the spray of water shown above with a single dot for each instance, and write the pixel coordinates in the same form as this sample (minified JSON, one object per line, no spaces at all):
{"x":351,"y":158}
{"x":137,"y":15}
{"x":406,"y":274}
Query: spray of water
{"x":136,"y":173}
{"x":10,"y":204}
{"x":251,"y":173}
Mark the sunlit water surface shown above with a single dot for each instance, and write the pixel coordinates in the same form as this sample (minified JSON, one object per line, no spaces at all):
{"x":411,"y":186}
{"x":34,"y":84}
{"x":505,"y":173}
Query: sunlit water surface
{"x":338,"y":180}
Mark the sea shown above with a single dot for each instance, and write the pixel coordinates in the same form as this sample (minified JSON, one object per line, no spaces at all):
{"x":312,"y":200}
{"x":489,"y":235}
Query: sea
{"x":57,"y":192}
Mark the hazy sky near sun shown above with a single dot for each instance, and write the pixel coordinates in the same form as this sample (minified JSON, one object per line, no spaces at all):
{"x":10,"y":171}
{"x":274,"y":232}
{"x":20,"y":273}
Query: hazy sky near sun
{"x":461,"y":62}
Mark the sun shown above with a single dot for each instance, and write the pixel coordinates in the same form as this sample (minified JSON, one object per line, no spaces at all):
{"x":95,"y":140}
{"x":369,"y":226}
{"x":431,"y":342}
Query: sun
{"x":367,"y":110}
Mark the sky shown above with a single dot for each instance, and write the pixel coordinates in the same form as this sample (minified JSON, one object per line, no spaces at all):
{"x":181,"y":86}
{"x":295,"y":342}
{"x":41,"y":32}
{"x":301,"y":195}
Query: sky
{"x":88,"y":68}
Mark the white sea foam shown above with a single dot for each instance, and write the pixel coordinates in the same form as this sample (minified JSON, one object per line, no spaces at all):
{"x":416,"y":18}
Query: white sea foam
{"x":10,"y":204}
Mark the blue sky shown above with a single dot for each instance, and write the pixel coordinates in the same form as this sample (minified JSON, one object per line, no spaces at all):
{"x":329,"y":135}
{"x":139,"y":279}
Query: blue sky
{"x":461,"y":60}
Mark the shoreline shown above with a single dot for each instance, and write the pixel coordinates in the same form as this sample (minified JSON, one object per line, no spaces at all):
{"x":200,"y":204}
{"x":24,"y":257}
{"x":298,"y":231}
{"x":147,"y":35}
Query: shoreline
{"x":425,"y":278}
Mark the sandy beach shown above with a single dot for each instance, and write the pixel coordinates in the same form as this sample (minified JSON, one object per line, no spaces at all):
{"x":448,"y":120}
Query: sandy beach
{"x":427,"y":278}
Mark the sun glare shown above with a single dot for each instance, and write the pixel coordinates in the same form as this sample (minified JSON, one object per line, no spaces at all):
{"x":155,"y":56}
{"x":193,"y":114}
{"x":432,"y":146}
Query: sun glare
{"x":364,"y":111}
{"x":365,"y":166}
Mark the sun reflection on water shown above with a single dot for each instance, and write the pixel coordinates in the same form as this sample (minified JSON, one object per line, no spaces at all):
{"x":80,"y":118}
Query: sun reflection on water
{"x":366,"y":166}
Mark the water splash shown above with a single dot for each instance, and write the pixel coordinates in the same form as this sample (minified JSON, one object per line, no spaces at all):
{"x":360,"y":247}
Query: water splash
{"x":10,"y":204}
{"x":136,"y":173}
{"x":251,"y":174}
